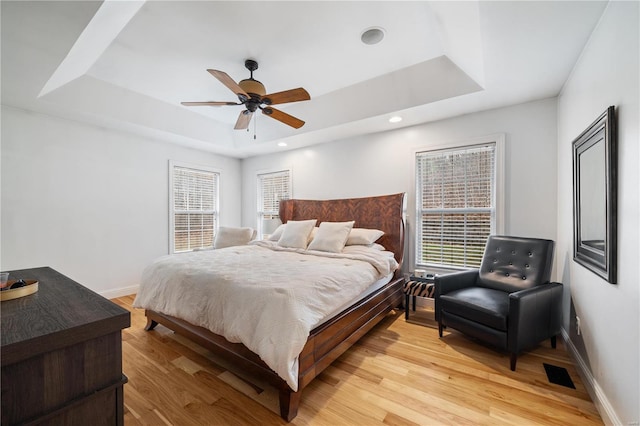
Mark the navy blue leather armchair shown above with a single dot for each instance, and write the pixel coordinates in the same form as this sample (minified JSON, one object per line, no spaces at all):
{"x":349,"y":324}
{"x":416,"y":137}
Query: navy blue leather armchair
{"x":509,"y":302}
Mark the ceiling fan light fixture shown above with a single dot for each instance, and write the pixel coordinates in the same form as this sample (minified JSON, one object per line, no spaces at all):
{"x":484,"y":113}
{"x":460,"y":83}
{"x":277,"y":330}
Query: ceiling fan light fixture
{"x":373,"y":35}
{"x":250,"y":86}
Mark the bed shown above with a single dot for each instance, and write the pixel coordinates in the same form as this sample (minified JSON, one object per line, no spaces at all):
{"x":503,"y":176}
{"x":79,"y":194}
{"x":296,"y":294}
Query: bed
{"x":327,"y":341}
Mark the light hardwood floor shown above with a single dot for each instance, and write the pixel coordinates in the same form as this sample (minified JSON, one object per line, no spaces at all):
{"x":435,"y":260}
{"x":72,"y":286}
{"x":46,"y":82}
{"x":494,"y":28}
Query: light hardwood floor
{"x":401,"y":373}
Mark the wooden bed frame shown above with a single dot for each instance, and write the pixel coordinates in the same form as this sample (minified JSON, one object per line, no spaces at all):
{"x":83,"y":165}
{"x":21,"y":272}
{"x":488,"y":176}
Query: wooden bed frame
{"x":332,"y":338}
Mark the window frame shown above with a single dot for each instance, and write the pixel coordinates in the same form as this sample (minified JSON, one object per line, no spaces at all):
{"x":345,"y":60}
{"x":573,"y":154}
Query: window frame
{"x":498,"y":219}
{"x":259,"y":195}
{"x":216,"y":213}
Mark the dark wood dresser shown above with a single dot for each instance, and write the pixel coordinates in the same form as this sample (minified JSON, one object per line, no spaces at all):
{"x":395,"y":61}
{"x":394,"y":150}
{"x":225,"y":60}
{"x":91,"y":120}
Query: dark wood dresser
{"x":61,"y":354}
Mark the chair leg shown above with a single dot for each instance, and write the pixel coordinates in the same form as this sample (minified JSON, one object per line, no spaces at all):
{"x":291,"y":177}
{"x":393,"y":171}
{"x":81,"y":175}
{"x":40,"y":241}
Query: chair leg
{"x":514,"y":358}
{"x":553,"y":342}
{"x":406,"y":307}
{"x":440,"y":328}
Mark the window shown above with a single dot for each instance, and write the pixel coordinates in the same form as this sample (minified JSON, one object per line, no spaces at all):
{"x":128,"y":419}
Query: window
{"x":456,"y":204}
{"x":272,"y":187}
{"x":193,"y":206}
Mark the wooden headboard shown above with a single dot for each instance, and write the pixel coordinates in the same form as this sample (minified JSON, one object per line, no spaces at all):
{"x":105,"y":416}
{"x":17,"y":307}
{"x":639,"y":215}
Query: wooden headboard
{"x":383,"y":213}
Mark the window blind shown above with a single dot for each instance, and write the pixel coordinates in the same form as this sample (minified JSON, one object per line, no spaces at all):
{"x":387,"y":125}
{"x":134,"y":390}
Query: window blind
{"x":272,"y":187}
{"x":195,"y":208}
{"x":455,"y":200}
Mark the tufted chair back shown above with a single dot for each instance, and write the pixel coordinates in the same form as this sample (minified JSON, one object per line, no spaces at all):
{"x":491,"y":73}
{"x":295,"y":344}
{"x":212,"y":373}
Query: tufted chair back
{"x":514,"y":263}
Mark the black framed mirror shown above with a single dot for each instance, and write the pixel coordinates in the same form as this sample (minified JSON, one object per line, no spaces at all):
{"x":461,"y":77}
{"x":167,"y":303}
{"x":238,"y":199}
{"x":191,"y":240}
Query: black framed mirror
{"x":595,"y":197}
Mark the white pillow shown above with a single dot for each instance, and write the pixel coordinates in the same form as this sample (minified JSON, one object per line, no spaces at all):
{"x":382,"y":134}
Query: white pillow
{"x":228,"y":237}
{"x":277,"y":233}
{"x":331,"y":236}
{"x":296,"y":233}
{"x":363,"y":236}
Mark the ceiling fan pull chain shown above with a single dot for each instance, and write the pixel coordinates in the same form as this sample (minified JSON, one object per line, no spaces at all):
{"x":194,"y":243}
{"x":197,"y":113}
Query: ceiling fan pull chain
{"x":255,"y":120}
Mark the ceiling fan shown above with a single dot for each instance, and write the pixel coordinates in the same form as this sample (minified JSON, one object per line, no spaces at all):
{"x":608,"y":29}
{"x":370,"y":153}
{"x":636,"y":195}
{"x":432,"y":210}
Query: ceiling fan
{"x":252,"y":94}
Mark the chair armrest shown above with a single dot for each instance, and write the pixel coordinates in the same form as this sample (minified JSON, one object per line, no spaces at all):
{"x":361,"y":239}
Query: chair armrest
{"x":455,"y":281}
{"x":535,"y":314}
{"x":450,"y":282}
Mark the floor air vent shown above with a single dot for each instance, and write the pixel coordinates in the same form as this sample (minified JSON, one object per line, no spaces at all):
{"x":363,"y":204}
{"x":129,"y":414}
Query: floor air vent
{"x":558,"y":375}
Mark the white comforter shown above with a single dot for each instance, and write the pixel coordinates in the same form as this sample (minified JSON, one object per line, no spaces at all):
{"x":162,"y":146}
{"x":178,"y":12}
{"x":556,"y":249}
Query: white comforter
{"x":261,"y":295}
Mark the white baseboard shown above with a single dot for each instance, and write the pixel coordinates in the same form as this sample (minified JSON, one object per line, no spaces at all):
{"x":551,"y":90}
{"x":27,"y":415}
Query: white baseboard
{"x":119,"y":292}
{"x":599,"y":398}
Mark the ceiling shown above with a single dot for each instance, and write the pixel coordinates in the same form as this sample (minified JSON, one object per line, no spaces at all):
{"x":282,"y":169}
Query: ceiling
{"x":128,"y":64}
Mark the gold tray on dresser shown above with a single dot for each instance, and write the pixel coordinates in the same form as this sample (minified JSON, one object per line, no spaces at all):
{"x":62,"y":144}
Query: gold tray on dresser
{"x":30,"y":288}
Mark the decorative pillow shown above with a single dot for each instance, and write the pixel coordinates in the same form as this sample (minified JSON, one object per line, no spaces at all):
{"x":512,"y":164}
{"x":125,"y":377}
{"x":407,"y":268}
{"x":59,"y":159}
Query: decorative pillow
{"x":331,"y":236}
{"x":363,"y":236}
{"x":277,"y":233}
{"x":296,"y":233}
{"x":228,"y":237}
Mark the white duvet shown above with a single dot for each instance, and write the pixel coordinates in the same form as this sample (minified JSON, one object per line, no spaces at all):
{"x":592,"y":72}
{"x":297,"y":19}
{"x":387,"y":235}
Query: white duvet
{"x":266,"y":297}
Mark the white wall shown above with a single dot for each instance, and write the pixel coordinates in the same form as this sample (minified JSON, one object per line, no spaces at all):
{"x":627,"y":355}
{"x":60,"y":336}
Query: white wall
{"x":607,"y":349}
{"x":91,"y":202}
{"x":381,"y":163}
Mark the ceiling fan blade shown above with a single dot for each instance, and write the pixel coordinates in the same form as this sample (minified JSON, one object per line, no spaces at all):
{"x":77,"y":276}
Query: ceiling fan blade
{"x":290,"y":120}
{"x":209,"y":103}
{"x":243,"y":120}
{"x":293,"y":95}
{"x":230,"y":83}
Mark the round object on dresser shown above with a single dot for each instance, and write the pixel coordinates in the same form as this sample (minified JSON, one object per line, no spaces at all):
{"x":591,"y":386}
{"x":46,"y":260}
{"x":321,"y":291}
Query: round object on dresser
{"x":18,"y":288}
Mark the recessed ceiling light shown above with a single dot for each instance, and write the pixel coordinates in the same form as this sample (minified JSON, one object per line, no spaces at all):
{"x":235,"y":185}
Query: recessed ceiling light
{"x":395,"y":119}
{"x":282,"y":144}
{"x":373,"y":35}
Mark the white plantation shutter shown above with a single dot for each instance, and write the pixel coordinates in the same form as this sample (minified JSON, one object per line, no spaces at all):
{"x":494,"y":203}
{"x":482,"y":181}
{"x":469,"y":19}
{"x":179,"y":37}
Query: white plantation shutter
{"x":456,"y":205}
{"x":194,"y":207}
{"x":272,"y":187}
